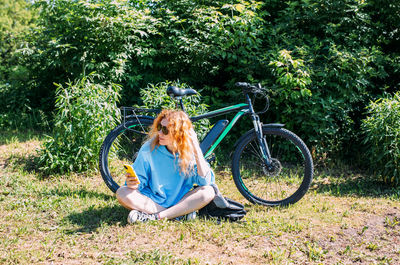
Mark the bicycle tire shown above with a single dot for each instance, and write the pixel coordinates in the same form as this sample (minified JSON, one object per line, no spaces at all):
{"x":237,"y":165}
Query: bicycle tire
{"x":293,"y":168}
{"x":120,"y":147}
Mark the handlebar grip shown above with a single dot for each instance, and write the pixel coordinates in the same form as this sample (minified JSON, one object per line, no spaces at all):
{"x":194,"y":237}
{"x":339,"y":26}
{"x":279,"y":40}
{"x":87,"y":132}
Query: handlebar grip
{"x":242,"y":84}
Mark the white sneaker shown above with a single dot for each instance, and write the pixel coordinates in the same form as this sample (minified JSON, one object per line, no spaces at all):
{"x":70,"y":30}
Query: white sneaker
{"x":137,"y":216}
{"x":187,"y":217}
{"x":191,"y":216}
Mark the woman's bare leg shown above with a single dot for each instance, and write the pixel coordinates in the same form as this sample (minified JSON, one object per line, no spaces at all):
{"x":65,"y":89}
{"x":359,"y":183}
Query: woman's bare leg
{"x":192,"y":201}
{"x":133,"y":199}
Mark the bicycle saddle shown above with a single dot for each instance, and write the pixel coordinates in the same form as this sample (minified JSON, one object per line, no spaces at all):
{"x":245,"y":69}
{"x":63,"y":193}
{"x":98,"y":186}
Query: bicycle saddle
{"x":174,"y":91}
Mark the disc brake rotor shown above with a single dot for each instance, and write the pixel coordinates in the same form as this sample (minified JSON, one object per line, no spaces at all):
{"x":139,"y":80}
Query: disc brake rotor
{"x":275,"y":169}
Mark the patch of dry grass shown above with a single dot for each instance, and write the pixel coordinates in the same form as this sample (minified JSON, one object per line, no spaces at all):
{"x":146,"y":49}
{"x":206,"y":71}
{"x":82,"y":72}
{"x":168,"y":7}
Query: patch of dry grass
{"x":76,"y":220}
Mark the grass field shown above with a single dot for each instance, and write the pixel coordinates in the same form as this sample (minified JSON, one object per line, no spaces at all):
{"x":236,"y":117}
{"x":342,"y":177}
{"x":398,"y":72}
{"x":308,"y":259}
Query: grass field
{"x":345,"y":218}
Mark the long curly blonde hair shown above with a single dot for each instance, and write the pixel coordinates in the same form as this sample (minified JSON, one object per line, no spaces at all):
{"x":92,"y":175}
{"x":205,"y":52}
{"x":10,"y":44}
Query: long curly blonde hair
{"x":179,"y":126}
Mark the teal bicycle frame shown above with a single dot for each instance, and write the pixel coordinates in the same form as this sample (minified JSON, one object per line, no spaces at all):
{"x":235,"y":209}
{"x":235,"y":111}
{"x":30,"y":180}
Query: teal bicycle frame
{"x":242,"y":108}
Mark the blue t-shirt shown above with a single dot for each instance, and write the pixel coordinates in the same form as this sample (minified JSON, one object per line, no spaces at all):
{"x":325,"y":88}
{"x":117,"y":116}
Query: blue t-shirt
{"x":160,"y":177}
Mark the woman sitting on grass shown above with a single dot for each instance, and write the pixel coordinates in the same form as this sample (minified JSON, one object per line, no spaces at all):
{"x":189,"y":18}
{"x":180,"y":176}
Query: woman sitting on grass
{"x":168,"y":165}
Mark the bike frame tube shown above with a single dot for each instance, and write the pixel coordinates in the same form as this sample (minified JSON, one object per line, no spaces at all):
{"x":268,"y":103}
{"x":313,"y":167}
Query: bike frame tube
{"x":218,"y":112}
{"x":227,"y":129}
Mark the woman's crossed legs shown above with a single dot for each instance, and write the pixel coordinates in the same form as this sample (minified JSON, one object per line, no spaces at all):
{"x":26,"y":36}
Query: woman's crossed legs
{"x":195,"y":199}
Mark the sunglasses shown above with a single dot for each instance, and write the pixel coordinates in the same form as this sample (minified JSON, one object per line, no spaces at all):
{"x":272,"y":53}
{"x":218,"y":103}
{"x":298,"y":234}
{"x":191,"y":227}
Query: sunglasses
{"x":163,"y":128}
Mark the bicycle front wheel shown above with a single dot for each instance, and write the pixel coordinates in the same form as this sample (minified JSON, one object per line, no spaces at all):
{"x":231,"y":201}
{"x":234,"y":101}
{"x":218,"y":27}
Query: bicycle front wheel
{"x":120,"y":147}
{"x":288,"y":179}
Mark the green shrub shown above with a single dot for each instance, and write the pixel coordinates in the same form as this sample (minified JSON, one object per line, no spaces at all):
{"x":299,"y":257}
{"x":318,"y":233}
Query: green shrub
{"x":16,"y":112}
{"x":346,"y":65}
{"x":382,"y":138}
{"x":86,"y":112}
{"x":16,"y":18}
{"x":325,"y":60}
{"x":154,"y":96}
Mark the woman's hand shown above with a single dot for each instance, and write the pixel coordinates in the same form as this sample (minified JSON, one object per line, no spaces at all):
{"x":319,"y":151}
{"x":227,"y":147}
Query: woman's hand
{"x":194,"y":139}
{"x":131,"y":182}
{"x":203,"y":168}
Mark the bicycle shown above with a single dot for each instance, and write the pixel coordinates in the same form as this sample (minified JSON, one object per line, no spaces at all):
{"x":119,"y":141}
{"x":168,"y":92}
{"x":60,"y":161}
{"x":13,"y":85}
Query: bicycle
{"x":271,"y":165}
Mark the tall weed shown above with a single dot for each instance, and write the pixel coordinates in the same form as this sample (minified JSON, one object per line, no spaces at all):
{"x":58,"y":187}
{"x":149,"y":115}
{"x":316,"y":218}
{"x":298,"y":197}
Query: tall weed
{"x":86,"y":111}
{"x":382,"y":138}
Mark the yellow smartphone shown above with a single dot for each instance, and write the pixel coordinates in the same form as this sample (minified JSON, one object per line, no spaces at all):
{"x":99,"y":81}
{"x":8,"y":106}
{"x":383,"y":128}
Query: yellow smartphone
{"x":131,"y":172}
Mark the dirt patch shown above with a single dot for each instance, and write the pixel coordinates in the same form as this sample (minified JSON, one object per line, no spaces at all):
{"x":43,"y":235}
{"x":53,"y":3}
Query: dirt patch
{"x":361,"y":243}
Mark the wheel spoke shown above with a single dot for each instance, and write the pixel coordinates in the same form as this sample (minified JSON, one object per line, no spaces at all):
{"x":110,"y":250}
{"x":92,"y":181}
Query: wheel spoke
{"x":256,"y":151}
{"x":121,"y":149}
{"x":271,"y":185}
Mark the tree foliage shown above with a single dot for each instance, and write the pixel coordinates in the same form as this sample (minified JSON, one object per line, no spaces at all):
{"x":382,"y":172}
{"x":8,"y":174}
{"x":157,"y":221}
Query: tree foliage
{"x":16,"y":18}
{"x":322,"y":60}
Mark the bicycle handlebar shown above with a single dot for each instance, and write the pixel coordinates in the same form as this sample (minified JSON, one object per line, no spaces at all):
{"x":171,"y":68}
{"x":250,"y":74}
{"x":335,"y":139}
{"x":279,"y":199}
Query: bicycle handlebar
{"x":257,"y":89}
{"x":254,"y":89}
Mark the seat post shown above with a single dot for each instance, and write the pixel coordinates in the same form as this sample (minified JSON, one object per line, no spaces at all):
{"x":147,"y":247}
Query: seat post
{"x":181,"y":103}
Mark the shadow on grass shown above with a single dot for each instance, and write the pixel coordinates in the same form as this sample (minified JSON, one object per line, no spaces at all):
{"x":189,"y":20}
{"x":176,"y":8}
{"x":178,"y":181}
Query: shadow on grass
{"x":91,"y":219}
{"x":27,"y":163}
{"x":82,"y":194}
{"x":9,"y":136}
{"x":355,"y":185}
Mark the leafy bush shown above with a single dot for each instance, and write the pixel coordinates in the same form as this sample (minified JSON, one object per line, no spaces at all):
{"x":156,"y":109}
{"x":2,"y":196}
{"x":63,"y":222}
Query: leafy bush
{"x":382,"y":138}
{"x":323,"y":60}
{"x":86,"y":112}
{"x":155,"y":96}
{"x":346,"y":65}
{"x":17,"y":113}
{"x":16,"y":18}
{"x":72,"y":38}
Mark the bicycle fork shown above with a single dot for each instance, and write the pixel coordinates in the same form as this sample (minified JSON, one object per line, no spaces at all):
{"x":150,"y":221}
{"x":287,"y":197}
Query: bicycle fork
{"x":262,"y":142}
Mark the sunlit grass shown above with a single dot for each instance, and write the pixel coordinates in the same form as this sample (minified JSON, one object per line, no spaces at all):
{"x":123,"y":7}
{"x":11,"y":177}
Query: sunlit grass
{"x":76,"y":219}
{"x":273,"y":187}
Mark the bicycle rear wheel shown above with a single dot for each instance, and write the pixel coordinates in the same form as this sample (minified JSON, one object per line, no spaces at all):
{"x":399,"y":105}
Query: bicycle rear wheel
{"x":121,"y":146}
{"x":290,"y":177}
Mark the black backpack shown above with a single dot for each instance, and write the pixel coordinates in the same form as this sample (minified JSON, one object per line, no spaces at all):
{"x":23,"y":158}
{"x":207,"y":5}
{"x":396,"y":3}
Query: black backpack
{"x":222,"y":208}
